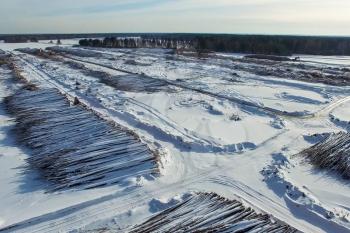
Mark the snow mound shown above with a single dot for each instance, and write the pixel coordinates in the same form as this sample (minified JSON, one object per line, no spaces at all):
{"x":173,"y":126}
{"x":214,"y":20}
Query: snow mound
{"x":300,"y":199}
{"x":339,"y":122}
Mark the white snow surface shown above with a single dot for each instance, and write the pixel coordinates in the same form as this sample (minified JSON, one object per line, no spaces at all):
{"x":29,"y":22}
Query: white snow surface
{"x":202,"y":147}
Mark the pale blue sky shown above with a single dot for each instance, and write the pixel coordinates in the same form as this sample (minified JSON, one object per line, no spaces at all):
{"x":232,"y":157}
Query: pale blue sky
{"x":308,"y":17}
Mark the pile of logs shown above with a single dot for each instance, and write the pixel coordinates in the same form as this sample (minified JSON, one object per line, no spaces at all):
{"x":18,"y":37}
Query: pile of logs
{"x":126,"y":82}
{"x":208,"y":212}
{"x":332,"y":153}
{"x":74,"y":148}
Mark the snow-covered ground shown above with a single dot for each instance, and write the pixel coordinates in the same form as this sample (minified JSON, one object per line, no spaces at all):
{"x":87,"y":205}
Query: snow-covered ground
{"x":327,"y":60}
{"x":41,"y":44}
{"x":219,"y":128}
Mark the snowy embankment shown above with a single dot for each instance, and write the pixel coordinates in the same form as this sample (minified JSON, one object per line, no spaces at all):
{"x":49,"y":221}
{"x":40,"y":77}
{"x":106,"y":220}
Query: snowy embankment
{"x":300,"y":196}
{"x":341,"y":116}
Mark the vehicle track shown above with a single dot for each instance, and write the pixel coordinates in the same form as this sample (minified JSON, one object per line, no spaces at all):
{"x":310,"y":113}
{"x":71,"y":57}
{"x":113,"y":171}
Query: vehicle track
{"x":202,"y":91}
{"x":91,"y":210}
{"x":195,"y":142}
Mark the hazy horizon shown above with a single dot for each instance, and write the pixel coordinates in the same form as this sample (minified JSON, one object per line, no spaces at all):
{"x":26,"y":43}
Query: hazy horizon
{"x":277,"y":17}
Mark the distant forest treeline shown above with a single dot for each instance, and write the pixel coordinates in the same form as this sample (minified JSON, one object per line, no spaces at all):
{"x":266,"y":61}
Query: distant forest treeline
{"x":272,"y":45}
{"x":138,"y":42}
{"x":254,"y":44}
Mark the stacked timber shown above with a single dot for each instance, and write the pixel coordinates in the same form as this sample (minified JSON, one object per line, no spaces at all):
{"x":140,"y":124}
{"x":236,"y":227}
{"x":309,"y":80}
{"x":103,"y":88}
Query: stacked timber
{"x":332,"y":153}
{"x":74,"y":148}
{"x":209,"y":212}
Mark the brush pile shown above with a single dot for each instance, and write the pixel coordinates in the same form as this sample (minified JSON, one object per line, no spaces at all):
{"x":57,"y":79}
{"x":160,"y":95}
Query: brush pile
{"x":208,"y":212}
{"x":332,"y":153}
{"x":74,"y":148}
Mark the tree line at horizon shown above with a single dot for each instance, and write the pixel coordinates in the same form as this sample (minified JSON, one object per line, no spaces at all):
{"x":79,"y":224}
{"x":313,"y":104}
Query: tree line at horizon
{"x":252,"y":44}
{"x":272,"y":45}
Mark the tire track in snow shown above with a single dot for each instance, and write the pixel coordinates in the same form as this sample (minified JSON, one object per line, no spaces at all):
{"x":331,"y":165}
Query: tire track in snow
{"x":69,"y":217}
{"x":195,"y":143}
{"x":202,"y":91}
